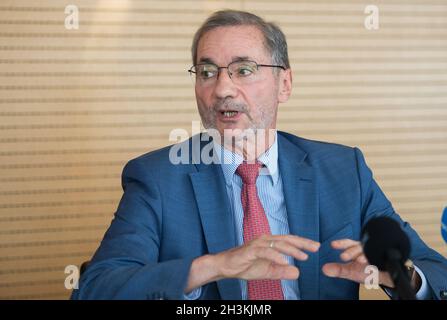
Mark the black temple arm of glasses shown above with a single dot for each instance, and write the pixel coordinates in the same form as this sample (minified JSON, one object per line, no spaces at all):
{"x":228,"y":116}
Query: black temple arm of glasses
{"x":271,"y":65}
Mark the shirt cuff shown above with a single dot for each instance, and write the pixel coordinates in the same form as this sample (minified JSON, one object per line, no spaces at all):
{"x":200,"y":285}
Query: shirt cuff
{"x":194,"y":294}
{"x":423,"y":292}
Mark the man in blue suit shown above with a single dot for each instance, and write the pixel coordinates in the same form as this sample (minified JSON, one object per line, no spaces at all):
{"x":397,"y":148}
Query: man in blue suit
{"x":192,"y":225}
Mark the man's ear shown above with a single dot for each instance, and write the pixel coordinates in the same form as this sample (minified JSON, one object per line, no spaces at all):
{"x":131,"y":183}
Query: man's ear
{"x":285,"y":85}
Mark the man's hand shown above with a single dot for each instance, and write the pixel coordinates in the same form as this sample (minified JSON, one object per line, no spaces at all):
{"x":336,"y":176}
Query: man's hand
{"x":356,"y":262}
{"x":261,"y":258}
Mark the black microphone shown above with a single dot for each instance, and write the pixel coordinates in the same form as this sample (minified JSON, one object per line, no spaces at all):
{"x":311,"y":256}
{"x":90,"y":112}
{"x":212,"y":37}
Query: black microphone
{"x":387,"y":247}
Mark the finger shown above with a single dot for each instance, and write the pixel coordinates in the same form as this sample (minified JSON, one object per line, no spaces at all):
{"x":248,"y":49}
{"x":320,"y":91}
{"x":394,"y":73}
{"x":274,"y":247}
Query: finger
{"x":298,"y":242}
{"x":271,"y":255}
{"x":362,"y":259}
{"x":337,"y":270}
{"x":352,"y":253}
{"x":344,"y":244}
{"x":290,"y":250}
{"x":350,"y":271}
{"x":284,"y":272}
{"x":332,"y":270}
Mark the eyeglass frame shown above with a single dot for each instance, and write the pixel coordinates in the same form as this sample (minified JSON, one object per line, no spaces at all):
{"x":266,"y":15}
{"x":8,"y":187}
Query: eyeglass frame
{"x":228,"y":67}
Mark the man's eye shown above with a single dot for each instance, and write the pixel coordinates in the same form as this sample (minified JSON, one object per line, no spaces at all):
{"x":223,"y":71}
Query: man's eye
{"x":245,"y":71}
{"x":205,"y":74}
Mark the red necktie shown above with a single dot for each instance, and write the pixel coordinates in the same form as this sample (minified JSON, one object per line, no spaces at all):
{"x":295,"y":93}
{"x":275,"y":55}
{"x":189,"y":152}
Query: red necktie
{"x":255,"y":225}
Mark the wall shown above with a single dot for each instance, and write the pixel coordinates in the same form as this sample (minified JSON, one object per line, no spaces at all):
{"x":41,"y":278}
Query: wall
{"x":75,"y":105}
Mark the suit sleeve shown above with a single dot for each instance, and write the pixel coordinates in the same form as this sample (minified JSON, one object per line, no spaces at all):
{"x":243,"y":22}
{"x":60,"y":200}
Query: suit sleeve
{"x":374,"y":203}
{"x":126,"y":265}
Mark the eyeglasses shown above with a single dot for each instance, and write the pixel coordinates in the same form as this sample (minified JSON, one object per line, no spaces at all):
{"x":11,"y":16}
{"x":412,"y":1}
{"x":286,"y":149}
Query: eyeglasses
{"x":240,"y":72}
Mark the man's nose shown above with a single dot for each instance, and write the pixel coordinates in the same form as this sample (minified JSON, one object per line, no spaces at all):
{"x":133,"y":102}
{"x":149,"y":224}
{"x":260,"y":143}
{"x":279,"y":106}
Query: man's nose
{"x":224,"y":85}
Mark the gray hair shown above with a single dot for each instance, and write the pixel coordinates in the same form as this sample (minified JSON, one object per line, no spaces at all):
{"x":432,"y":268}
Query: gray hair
{"x":275,"y":40}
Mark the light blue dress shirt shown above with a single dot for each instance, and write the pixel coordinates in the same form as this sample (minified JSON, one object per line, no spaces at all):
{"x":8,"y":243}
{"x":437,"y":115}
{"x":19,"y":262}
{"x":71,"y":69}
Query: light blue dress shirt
{"x":271,"y":195}
{"x":270,"y":192}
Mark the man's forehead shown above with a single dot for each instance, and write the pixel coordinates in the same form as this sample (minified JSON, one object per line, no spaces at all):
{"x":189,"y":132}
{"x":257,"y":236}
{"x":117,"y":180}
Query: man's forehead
{"x":235,"y":34}
{"x":206,"y":59}
{"x":234,"y":42}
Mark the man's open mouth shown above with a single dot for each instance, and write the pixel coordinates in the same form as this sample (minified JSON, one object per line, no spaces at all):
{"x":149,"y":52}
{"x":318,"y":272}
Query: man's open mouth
{"x":229,"y":114}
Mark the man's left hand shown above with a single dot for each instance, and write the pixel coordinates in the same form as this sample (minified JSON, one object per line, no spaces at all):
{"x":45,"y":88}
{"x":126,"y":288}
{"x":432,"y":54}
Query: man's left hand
{"x":355,"y":263}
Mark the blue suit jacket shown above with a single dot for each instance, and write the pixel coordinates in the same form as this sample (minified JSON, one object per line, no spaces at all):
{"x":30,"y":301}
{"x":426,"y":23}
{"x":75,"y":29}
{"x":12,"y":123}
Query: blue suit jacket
{"x":170,"y":214}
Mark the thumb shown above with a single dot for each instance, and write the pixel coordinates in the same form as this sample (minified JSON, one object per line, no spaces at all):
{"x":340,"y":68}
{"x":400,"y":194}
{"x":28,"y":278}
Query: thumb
{"x":333,"y":270}
{"x":350,"y":271}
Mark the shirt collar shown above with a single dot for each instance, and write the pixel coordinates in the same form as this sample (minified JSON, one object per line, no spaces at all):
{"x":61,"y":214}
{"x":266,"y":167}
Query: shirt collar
{"x":232,"y":160}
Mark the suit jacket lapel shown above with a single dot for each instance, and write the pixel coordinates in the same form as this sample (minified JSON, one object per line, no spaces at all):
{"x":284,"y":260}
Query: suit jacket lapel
{"x":217,"y":220}
{"x":301,"y":200}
